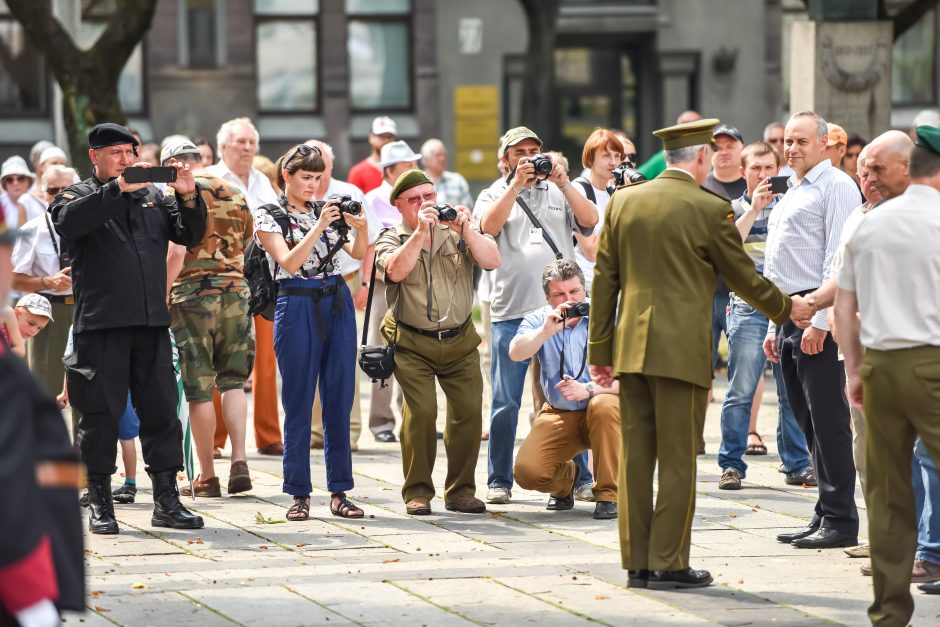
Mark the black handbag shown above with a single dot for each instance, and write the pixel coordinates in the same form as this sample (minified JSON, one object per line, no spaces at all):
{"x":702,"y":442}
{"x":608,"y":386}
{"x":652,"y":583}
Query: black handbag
{"x":378,"y":362}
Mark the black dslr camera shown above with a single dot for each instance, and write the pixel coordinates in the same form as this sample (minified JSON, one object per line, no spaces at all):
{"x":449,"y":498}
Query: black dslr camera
{"x":576,"y":310}
{"x":626,"y":172}
{"x":543,"y":165}
{"x":346,"y":205}
{"x":445,"y":213}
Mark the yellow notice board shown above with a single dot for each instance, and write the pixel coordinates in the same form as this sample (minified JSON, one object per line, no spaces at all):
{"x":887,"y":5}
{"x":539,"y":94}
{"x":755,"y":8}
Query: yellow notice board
{"x":476,"y":130}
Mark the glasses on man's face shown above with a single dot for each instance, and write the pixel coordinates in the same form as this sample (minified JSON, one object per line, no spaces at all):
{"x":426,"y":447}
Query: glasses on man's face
{"x":303,"y":150}
{"x":417,"y":198}
{"x":54,"y":191}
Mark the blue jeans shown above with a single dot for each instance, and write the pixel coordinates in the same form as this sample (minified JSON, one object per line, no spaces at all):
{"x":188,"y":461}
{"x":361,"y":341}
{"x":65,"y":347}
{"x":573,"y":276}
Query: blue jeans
{"x":927,"y":504}
{"x":719,"y":321}
{"x":747,"y":329}
{"x":507,"y":378}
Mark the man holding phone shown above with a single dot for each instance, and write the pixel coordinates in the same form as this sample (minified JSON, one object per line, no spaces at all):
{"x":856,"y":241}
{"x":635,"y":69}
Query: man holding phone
{"x":117,"y":234}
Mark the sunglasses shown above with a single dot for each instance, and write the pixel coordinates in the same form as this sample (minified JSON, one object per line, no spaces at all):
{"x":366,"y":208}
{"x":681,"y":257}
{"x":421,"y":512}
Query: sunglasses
{"x":630,"y":156}
{"x":416,"y":199}
{"x":54,"y":191}
{"x":303,"y":150}
{"x":16,"y":178}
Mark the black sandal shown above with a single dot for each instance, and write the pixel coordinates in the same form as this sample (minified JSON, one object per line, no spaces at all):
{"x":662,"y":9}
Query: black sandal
{"x":346,"y":508}
{"x":300,"y":510}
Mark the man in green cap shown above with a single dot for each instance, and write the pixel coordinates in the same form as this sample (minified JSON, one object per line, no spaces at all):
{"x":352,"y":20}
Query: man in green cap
{"x":662,"y":246}
{"x":886,"y":302}
{"x":428,"y":263}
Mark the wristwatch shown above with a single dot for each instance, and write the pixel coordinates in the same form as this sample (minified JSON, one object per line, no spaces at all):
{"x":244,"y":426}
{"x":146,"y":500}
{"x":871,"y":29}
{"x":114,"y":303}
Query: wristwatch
{"x":187,"y":197}
{"x":589,"y":386}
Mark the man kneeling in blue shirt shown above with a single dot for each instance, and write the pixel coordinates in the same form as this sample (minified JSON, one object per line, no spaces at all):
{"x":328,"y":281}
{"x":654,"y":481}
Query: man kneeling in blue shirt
{"x":578,"y":414}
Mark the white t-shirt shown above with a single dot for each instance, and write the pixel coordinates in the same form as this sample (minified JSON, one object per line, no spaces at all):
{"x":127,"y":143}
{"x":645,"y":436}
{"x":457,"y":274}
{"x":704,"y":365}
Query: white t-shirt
{"x":602,"y":197}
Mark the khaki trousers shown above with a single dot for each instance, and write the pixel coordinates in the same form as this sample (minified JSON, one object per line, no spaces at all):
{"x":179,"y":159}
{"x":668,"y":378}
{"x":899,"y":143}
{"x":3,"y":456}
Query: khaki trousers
{"x":354,"y":283}
{"x":902,"y":401}
{"x":46,"y":350}
{"x":662,"y":420}
{"x":455,"y":363}
{"x":544,"y":463}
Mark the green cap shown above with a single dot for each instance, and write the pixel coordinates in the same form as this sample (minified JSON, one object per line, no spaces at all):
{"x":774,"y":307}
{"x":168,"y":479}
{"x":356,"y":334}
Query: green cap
{"x":515,"y":135}
{"x":407,"y":180}
{"x":929,"y":137}
{"x":696,"y":133}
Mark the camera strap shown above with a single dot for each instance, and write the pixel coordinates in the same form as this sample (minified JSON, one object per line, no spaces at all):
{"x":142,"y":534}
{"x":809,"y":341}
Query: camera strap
{"x":430,"y":292}
{"x":535,"y":222}
{"x":52,"y":235}
{"x":331,"y":252}
{"x":561,"y":361}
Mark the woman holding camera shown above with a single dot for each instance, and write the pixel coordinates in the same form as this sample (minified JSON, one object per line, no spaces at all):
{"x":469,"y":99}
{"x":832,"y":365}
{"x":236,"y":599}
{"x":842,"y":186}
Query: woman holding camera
{"x":314,"y":324}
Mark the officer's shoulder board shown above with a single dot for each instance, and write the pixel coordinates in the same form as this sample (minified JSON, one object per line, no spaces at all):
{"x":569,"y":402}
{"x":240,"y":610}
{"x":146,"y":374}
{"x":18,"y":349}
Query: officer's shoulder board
{"x":625,"y":186}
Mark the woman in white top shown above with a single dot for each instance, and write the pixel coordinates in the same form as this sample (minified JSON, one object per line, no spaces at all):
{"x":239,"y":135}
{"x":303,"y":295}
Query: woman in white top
{"x":314,"y":325}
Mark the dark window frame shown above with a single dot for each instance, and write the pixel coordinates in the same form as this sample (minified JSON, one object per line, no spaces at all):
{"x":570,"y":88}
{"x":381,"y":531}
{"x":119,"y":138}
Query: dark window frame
{"x":47,"y":81}
{"x":932,"y":101}
{"x":385,"y":18}
{"x":260,"y":18}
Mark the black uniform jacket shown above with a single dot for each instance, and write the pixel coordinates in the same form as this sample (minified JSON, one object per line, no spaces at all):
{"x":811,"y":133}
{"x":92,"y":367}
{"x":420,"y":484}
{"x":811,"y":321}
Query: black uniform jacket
{"x":39,"y":474}
{"x":118,"y":245}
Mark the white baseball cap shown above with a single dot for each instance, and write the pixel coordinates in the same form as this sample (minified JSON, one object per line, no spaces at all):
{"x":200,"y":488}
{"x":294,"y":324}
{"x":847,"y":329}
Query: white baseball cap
{"x":36,"y":304}
{"x":397,"y":152}
{"x":384,"y":124}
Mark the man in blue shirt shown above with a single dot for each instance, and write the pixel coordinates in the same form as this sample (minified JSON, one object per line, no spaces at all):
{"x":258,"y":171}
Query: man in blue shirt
{"x":578,"y":414}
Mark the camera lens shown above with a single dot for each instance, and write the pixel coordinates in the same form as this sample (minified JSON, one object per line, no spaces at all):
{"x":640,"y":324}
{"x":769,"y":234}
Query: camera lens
{"x":446,"y":213}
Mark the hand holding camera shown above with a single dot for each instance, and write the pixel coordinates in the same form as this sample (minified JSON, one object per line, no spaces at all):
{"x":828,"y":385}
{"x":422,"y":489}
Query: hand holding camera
{"x":428,"y":216}
{"x":345,"y":207}
{"x":762,"y":196}
{"x":328,"y":214}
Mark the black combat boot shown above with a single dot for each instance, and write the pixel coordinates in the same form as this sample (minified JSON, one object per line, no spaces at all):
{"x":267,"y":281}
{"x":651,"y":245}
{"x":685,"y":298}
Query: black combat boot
{"x":167,"y":509}
{"x":101,"y":508}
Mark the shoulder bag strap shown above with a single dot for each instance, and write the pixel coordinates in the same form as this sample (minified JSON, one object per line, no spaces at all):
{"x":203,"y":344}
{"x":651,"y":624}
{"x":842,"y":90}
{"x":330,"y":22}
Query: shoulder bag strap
{"x":588,"y":188}
{"x":535,"y":222}
{"x":365,"y":323}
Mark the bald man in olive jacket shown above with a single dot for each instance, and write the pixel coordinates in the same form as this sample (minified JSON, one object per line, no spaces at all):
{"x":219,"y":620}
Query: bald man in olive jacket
{"x":663,"y":244}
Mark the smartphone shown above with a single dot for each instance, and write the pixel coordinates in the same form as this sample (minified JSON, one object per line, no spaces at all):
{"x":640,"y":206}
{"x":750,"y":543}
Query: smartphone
{"x":150,"y":175}
{"x":778,"y":184}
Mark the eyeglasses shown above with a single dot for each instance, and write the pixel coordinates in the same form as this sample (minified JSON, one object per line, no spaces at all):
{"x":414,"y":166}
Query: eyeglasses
{"x":15,"y":178}
{"x":631,"y":157}
{"x":414,"y":200}
{"x":54,"y":191}
{"x":303,"y":150}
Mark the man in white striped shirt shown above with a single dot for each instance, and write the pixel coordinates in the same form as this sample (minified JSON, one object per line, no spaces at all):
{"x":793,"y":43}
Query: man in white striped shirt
{"x":804,"y":232}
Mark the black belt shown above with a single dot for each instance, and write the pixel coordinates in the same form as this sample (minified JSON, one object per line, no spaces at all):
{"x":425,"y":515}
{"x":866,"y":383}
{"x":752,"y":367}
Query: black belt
{"x":803,"y":292}
{"x":311,"y":292}
{"x":441,"y":334}
{"x":68,"y":299}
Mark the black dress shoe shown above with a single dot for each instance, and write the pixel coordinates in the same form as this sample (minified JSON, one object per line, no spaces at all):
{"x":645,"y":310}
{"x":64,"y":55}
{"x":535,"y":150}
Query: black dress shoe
{"x":386,"y":437}
{"x":167,"y":509}
{"x":562,"y":503}
{"x":930,"y":588}
{"x":787,"y":538}
{"x":101,"y":520}
{"x":687,"y":578}
{"x":638,"y":578}
{"x":825,"y":538}
{"x":605,"y":510}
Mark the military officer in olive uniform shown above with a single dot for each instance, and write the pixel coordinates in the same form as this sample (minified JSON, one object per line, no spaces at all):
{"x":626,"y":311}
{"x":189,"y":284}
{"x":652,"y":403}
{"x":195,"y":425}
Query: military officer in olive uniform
{"x":428,"y":264}
{"x":662,"y":246}
{"x":117,"y":234}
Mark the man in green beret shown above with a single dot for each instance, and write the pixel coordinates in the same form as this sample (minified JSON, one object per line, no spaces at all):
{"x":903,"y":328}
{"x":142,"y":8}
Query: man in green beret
{"x":660,"y":251}
{"x":428,"y":263}
{"x":886,"y":314}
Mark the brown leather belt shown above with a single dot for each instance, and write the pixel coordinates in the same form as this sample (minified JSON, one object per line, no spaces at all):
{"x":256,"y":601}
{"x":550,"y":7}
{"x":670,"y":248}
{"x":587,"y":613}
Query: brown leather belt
{"x":58,"y":474}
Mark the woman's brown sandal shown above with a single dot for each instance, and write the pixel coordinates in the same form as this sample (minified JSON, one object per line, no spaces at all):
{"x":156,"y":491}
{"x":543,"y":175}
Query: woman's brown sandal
{"x":300,"y":510}
{"x":344,"y":508}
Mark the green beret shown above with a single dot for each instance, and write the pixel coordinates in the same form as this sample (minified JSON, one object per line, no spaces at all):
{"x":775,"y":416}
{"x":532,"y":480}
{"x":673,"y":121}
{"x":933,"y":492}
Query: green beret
{"x":698,"y":133}
{"x":407,"y":180}
{"x":928,"y":137}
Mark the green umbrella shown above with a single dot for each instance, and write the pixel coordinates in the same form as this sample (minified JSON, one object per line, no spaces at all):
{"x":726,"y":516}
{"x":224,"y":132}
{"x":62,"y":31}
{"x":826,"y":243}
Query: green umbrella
{"x":182,"y":412}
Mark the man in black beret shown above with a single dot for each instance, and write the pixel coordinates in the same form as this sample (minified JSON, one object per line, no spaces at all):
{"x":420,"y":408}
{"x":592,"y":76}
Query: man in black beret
{"x":117,"y":234}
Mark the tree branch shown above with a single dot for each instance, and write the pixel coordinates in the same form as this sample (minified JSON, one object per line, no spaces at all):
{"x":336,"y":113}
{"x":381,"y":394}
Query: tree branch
{"x":46,"y":34}
{"x":125,"y":29}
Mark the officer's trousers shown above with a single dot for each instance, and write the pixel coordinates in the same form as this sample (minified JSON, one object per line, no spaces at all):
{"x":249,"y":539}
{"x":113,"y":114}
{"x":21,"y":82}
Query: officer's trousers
{"x":661,"y":419}
{"x":455,"y":363}
{"x":103,"y":366}
{"x":902,"y":401}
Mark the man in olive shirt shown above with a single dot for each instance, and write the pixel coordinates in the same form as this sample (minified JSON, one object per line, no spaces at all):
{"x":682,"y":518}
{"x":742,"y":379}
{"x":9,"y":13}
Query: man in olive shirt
{"x":662,"y":246}
{"x":428,"y":265}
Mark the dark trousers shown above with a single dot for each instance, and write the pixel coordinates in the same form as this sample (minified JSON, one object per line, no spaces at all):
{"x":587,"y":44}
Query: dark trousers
{"x":816,"y":391}
{"x":103,"y":367}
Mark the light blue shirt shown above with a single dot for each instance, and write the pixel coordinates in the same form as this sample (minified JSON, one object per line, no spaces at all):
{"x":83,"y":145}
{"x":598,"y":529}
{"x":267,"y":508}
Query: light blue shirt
{"x":574,"y":340}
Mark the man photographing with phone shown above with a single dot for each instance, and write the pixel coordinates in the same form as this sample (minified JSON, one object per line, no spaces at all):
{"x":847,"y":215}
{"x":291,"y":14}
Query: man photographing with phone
{"x":116,"y":233}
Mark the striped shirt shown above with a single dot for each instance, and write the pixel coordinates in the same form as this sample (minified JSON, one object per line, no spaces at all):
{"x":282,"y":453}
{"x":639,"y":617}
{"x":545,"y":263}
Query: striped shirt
{"x":804,"y":230}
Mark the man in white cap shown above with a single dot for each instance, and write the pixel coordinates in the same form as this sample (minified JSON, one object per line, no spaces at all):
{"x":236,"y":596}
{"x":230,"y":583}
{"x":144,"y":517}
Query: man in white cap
{"x":367,"y":174}
{"x":396,"y":158}
{"x":18,"y":206}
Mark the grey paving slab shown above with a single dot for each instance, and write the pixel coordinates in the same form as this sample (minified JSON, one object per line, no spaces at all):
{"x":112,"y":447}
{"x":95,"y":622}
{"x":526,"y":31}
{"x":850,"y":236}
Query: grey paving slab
{"x":157,"y":609}
{"x":274,"y":606}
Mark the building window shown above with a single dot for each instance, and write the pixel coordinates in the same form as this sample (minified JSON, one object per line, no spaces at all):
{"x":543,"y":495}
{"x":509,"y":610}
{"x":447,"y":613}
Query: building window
{"x":202,"y":33}
{"x":23,"y":79}
{"x":913,"y":63}
{"x":379,"y":47}
{"x":286,"y":55}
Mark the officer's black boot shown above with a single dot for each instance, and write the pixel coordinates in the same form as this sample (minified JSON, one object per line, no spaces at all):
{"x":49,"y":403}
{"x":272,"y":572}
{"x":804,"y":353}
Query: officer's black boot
{"x":167,"y":509}
{"x":100,"y":506}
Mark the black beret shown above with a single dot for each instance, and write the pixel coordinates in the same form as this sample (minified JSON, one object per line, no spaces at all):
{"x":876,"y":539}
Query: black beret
{"x":110,"y":134}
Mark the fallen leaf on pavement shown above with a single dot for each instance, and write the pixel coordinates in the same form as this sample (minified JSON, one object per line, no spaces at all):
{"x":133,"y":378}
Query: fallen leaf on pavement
{"x":139,"y":586}
{"x":601,"y":598}
{"x":389,"y":561}
{"x":98,"y":608}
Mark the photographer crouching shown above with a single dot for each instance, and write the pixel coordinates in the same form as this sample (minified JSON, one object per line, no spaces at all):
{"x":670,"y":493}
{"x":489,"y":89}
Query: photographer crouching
{"x":578,"y":414}
{"x":428,"y":263}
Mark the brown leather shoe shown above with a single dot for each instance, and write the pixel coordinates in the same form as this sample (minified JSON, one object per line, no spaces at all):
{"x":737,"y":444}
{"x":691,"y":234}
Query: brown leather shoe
{"x":275,"y":449}
{"x":209,"y":488}
{"x":925,"y":572}
{"x":238,"y":478}
{"x":466,"y":504}
{"x":418,"y":506}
